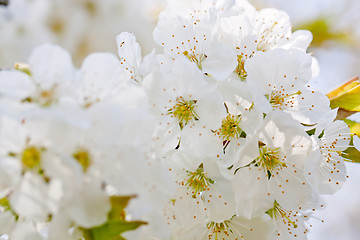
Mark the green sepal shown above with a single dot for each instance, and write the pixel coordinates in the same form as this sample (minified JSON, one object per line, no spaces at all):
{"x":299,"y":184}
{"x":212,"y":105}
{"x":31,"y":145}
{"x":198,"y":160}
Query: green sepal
{"x":311,"y":132}
{"x":23,"y":67}
{"x":4,"y":202}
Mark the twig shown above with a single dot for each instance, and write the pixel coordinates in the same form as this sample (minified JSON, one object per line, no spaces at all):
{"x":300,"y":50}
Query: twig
{"x":4,"y":2}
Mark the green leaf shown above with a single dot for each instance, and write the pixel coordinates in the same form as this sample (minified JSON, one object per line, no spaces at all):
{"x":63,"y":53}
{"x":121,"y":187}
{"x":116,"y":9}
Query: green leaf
{"x":349,"y":101}
{"x":311,"y":132}
{"x":354,"y":126}
{"x":346,"y":98}
{"x":116,"y":223}
{"x":352,"y":153}
{"x":343,"y":88}
{"x":112,"y":230}
{"x":118,"y":205}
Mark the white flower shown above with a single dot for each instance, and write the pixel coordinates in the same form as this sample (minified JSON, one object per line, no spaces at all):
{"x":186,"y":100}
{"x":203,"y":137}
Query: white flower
{"x":201,"y":183}
{"x":242,"y":119}
{"x":281,"y":76}
{"x":273,"y":28}
{"x":327,"y":171}
{"x":50,"y":76}
{"x":252,"y":31}
{"x":238,"y":228}
{"x":22,"y":153}
{"x":78,"y":195}
{"x":101,"y":78}
{"x":218,"y":137}
{"x":239,"y":33}
{"x":131,"y":60}
{"x":192,"y":37}
{"x":271,"y":167}
{"x":288,"y":224}
{"x":181,"y":99}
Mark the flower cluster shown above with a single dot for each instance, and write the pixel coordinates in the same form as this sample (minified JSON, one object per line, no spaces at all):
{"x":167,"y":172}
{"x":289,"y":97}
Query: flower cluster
{"x":70,"y":139}
{"x":219,"y":137}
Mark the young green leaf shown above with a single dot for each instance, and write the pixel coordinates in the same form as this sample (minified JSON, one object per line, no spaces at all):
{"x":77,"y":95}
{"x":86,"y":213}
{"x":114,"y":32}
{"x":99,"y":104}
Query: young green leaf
{"x":116,"y":223}
{"x":112,"y":230}
{"x":346,"y":98}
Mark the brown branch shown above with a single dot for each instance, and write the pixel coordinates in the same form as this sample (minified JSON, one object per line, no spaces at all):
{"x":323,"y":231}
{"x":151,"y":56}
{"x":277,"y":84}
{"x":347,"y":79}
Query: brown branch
{"x":4,"y":2}
{"x":343,"y":113}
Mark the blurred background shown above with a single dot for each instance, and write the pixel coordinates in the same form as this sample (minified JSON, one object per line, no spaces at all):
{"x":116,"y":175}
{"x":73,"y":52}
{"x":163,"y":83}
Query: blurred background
{"x":85,"y":26}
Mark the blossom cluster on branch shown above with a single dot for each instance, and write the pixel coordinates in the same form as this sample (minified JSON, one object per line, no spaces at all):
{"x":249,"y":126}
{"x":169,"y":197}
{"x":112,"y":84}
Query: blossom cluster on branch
{"x":218,"y":137}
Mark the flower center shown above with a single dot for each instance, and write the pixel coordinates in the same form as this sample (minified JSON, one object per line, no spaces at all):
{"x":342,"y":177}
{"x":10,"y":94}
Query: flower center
{"x":47,"y":97}
{"x":184,"y":111}
{"x":83,"y":158}
{"x":240,"y":69}
{"x":279,"y":212}
{"x":197,"y":181}
{"x":31,"y":157}
{"x":219,"y":231}
{"x":196,"y":58}
{"x":230,"y":128}
{"x":267,"y":38}
{"x":269,"y":158}
{"x":278,"y":99}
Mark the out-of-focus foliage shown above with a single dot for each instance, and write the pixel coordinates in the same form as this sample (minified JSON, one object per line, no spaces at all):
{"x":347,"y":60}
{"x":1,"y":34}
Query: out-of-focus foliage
{"x":322,"y":31}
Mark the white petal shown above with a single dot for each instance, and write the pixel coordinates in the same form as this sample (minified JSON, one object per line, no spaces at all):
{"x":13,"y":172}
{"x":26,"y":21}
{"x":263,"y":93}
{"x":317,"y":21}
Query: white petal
{"x":25,"y":231}
{"x":220,"y":62}
{"x":279,"y":69}
{"x":299,"y":39}
{"x":30,"y":200}
{"x":90,"y":205}
{"x":250,"y":189}
{"x":356,"y":141}
{"x":14,"y":84}
{"x":50,"y":64}
{"x":7,"y":222}
{"x":129,"y":49}
{"x":102,"y":78}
